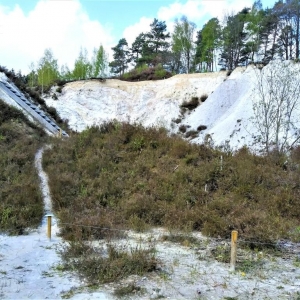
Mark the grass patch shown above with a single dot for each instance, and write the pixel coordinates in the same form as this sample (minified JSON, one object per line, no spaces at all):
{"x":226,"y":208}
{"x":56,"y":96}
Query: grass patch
{"x":108,"y":264}
{"x":128,"y":290}
{"x":184,"y":240}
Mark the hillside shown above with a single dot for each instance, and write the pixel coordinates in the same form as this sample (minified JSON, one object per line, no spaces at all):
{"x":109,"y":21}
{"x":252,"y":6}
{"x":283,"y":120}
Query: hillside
{"x":225,"y":118}
{"x":86,"y":103}
{"x":133,"y":203}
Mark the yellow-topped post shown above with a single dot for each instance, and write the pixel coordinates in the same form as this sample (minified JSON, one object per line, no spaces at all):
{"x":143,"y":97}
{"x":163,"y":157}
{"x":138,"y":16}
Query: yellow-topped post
{"x":234,"y":236}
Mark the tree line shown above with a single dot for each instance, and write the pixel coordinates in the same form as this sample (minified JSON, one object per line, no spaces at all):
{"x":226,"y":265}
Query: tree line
{"x":46,"y":71}
{"x":252,"y":35}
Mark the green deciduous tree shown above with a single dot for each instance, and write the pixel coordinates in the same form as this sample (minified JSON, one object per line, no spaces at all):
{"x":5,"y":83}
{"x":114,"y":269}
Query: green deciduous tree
{"x":208,"y":40}
{"x":32,"y":76}
{"x":47,"y":71}
{"x":254,"y":27}
{"x":82,"y":67}
{"x":99,"y":62}
{"x":65,"y":72}
{"x":182,"y":41}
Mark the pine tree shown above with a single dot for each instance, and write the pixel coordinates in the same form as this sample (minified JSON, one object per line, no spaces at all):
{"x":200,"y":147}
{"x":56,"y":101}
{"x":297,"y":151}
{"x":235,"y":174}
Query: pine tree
{"x":121,"y":57}
{"x":137,"y":47}
{"x":233,"y":38}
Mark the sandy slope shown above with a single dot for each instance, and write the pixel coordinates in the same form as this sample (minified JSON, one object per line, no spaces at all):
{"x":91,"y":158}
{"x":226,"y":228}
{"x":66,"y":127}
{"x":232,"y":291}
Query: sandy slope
{"x":86,"y":103}
{"x":226,"y":113}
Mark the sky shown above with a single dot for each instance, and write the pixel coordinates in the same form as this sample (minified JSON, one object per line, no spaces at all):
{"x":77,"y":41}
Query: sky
{"x":28,"y":27}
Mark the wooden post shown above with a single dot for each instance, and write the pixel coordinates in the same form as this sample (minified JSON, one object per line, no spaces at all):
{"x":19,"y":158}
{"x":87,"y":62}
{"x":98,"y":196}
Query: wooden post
{"x":49,"y":221}
{"x":234,"y":236}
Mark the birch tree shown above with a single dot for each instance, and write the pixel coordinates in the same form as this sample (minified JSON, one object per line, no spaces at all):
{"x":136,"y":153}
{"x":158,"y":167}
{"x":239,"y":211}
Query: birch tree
{"x":99,"y":62}
{"x":276,"y":106}
{"x":182,"y":41}
{"x":82,"y":68}
{"x":47,"y":71}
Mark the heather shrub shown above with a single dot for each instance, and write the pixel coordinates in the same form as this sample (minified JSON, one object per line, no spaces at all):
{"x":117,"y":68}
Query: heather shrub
{"x":192,"y":104}
{"x":203,"y":97}
{"x":201,"y":127}
{"x":124,"y":176}
{"x":21,"y":204}
{"x":143,"y":72}
{"x":108,"y":263}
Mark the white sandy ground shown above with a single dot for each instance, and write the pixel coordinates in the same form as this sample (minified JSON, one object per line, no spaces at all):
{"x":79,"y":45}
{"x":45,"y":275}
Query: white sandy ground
{"x":226,"y":112}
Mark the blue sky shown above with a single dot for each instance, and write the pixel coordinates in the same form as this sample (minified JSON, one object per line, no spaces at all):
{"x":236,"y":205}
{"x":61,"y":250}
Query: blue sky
{"x":28,"y":27}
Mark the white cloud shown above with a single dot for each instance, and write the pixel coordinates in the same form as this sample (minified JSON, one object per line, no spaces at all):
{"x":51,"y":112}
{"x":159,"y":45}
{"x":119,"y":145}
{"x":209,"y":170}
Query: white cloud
{"x":197,"y":11}
{"x":132,"y":31}
{"x":63,"y":26}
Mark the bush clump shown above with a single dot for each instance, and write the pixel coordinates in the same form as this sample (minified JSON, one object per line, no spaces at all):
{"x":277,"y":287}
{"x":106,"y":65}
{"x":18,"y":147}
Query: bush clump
{"x":203,"y":97}
{"x":182,"y":128}
{"x":201,"y":127}
{"x":192,"y":104}
{"x":108,"y":264}
{"x":144,"y":72}
{"x":191,"y":134}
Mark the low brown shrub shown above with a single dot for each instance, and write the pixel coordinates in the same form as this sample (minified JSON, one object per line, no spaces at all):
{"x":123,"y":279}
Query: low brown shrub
{"x":108,"y":264}
{"x":123,"y":176}
{"x":21,"y":204}
{"x":203,"y":97}
{"x":192,"y":104}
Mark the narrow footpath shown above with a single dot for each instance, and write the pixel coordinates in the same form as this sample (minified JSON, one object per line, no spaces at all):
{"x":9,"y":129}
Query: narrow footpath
{"x":29,"y":264}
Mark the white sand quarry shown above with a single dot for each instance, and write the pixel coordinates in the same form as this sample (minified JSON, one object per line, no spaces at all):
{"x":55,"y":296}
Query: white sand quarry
{"x":29,"y":265}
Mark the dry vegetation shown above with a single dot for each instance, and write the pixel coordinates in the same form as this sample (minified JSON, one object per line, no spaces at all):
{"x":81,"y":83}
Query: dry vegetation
{"x":21,"y":204}
{"x":121,"y":176}
{"x":146,"y":73}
